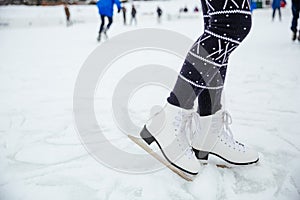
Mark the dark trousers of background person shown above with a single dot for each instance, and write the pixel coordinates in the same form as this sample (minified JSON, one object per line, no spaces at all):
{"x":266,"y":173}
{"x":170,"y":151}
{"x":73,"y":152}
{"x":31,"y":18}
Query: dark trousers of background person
{"x":274,"y":12}
{"x":295,"y":11}
{"x":124,"y":18}
{"x":69,"y":23}
{"x":110,"y":21}
{"x":133,"y":18}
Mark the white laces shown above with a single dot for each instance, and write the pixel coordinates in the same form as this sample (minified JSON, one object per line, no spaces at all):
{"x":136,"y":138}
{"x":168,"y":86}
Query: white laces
{"x":227,"y":134}
{"x":227,"y":120}
{"x":192,"y":126}
{"x":189,"y":125}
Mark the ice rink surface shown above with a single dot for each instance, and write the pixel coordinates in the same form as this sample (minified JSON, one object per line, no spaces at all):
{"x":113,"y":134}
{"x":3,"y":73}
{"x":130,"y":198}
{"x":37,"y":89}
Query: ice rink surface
{"x":41,"y":155}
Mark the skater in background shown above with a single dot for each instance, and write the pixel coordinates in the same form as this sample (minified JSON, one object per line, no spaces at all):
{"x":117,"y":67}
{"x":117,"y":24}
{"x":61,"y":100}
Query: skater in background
{"x":159,"y":14}
{"x":124,"y":14}
{"x":68,"y":15}
{"x":185,"y":9}
{"x":183,"y":135}
{"x":295,"y":11}
{"x":133,"y":15}
{"x":276,"y":5}
{"x":106,"y":10}
{"x":196,"y":9}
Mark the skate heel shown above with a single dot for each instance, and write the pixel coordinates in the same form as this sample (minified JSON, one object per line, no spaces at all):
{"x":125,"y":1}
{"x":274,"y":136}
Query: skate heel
{"x":146,"y":136}
{"x":201,"y":155}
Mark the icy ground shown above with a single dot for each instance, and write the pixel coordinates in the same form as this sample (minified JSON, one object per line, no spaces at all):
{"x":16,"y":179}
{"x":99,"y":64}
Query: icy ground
{"x":41,"y":156}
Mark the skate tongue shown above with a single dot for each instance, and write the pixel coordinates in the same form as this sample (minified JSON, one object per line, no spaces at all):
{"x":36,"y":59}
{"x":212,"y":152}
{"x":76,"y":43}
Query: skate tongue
{"x":227,"y":118}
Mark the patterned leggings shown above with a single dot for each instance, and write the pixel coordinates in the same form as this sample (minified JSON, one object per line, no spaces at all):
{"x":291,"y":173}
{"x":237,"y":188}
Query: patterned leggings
{"x":226,"y":24}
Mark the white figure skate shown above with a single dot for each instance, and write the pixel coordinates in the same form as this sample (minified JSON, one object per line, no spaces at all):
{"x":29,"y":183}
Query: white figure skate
{"x":216,"y":138}
{"x":167,"y":129}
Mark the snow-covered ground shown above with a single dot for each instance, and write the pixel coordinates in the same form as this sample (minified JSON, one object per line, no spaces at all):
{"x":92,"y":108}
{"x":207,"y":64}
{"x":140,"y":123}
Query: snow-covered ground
{"x":41,"y":155}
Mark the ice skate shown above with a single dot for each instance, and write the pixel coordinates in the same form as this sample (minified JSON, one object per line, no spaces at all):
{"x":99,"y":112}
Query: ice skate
{"x":216,"y":138}
{"x":294,"y":36}
{"x":167,"y":130}
{"x":105,"y":33}
{"x":99,"y":37}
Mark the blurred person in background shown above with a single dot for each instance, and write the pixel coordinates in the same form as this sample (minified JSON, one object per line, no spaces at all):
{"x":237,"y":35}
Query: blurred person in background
{"x":276,"y":5}
{"x":133,"y":15}
{"x":68,"y":14}
{"x":159,"y":14}
{"x":106,"y":10}
{"x":185,"y":9}
{"x":295,"y":10}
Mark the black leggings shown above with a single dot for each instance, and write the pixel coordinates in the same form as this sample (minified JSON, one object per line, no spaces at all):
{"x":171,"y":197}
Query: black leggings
{"x":227,"y":23}
{"x":110,"y":21}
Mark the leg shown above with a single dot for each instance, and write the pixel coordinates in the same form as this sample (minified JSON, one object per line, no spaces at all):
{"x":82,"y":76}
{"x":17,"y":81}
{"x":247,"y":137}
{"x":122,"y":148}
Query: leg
{"x":273,"y":15}
{"x":206,"y":17}
{"x":205,"y":68}
{"x":101,"y":27}
{"x":102,"y":23}
{"x":209,"y":101}
{"x":205,"y":64}
{"x":186,"y":90}
{"x":295,"y":19}
{"x":110,"y":21}
{"x":279,"y":12}
{"x":68,"y":20}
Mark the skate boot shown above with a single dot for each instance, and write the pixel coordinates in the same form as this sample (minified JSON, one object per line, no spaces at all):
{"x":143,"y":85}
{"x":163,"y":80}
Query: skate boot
{"x":105,"y":33}
{"x":294,"y":37}
{"x":99,"y":37}
{"x":216,"y":138}
{"x":167,"y":130}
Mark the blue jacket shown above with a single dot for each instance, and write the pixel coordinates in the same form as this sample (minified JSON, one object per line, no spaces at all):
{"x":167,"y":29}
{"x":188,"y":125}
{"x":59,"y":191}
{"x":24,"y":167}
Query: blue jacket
{"x":106,"y":7}
{"x":276,"y":3}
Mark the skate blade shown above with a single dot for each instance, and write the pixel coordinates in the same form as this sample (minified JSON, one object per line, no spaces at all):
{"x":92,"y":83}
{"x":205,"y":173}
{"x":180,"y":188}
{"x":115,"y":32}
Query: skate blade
{"x":224,"y":166}
{"x":161,"y":159}
{"x":221,"y":163}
